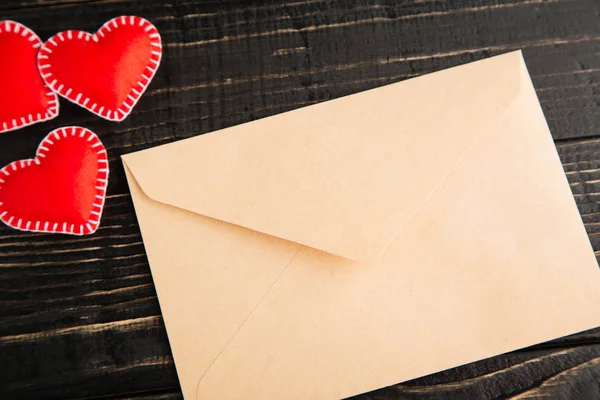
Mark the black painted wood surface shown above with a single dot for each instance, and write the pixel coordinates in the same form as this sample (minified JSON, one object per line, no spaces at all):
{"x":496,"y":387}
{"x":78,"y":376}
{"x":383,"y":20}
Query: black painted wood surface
{"x":79,"y":317}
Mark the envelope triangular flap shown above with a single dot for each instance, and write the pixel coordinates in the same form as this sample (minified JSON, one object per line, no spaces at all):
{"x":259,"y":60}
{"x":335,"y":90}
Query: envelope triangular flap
{"x":342,"y":176}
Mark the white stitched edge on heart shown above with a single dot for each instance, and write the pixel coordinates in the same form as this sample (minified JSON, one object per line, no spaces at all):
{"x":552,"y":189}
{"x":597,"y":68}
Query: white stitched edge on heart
{"x":30,"y":119}
{"x":91,"y":225}
{"x":78,"y":98}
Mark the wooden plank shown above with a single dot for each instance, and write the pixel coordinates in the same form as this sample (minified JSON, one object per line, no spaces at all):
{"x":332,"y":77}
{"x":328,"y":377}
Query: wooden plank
{"x":79,"y":316}
{"x":229,"y":64}
{"x":88,"y":360}
{"x":40,"y":4}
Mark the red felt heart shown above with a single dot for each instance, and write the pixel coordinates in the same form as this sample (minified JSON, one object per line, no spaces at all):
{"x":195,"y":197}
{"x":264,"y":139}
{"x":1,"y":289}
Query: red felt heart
{"x":62,"y":189}
{"x":106,"y":72}
{"x":25,"y":99}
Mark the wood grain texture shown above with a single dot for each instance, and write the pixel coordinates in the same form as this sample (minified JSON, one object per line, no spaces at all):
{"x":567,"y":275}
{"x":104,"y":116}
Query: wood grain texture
{"x":79,"y":317}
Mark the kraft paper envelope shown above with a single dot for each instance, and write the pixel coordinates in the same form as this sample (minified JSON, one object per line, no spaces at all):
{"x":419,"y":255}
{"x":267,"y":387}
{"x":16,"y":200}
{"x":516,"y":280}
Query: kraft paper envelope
{"x":368,"y":240}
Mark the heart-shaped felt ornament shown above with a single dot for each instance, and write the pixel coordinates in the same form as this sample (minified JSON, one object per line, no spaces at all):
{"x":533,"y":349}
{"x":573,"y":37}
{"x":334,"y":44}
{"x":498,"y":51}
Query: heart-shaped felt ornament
{"x":105,"y":72}
{"x":62,"y":189}
{"x":25,"y":99}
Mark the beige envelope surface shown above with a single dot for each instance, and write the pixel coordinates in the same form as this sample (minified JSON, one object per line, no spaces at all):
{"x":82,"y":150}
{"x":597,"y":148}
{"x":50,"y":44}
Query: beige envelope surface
{"x":364,"y":241}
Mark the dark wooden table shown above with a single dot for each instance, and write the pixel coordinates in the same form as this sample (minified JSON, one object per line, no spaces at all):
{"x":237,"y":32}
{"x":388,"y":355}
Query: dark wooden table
{"x":79,"y":317}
